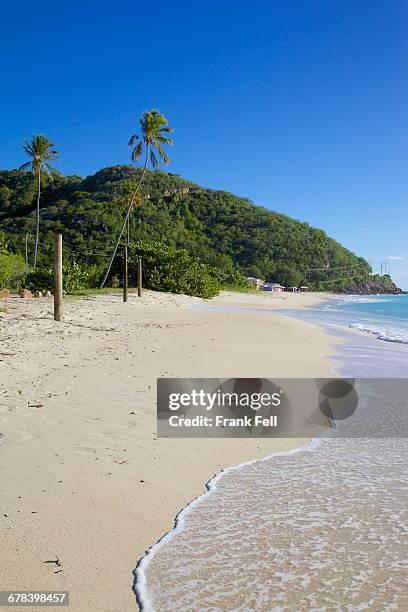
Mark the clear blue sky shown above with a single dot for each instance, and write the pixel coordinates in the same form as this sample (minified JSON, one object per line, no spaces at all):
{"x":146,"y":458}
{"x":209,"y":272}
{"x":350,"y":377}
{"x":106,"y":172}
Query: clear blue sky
{"x":299,"y":105}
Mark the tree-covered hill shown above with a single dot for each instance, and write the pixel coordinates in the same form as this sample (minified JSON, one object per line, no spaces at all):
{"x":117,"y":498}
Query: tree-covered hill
{"x":221,"y":229}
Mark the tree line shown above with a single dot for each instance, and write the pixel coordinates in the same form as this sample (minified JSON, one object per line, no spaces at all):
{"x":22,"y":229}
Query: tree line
{"x":217,"y":236}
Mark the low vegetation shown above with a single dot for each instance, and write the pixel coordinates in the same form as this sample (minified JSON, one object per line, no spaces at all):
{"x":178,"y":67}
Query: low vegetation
{"x":13,"y":269}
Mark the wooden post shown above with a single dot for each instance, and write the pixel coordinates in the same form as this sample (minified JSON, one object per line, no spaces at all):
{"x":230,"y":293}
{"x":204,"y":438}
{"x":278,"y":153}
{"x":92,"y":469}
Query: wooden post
{"x":58,"y":308}
{"x":139,"y":277}
{"x":126,"y":276}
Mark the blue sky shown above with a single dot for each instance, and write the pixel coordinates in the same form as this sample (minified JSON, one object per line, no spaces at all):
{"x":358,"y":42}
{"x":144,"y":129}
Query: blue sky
{"x":299,"y":105}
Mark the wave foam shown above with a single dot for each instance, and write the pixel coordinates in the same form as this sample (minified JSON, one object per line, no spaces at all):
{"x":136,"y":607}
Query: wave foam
{"x":140,"y":579}
{"x":380,"y":333}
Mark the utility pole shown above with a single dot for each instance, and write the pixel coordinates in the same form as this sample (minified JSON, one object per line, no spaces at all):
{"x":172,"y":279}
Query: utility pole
{"x":126,"y":276}
{"x":26,"y":248}
{"x":58,"y":308}
{"x":139,"y":277}
{"x":381,"y":268}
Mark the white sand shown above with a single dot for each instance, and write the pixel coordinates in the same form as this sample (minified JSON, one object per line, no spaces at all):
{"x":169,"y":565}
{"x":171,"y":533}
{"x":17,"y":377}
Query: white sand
{"x":82,"y":476}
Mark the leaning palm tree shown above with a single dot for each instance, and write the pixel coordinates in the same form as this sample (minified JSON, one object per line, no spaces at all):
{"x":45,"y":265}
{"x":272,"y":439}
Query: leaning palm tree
{"x":154,"y":134}
{"x":123,"y":198}
{"x":41,"y":152}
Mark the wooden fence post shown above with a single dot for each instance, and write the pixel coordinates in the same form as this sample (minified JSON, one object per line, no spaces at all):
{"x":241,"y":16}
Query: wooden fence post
{"x":139,"y":277}
{"x":126,"y":276}
{"x":58,"y":307}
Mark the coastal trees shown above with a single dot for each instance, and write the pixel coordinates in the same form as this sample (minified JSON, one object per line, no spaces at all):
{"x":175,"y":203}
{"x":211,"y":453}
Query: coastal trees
{"x":286,"y":275}
{"x":224,"y":231}
{"x":41,"y":152}
{"x":169,"y":269}
{"x":154,"y":129}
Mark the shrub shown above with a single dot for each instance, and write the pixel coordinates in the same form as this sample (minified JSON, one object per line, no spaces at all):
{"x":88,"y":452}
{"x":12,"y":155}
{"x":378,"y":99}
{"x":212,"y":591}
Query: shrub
{"x":12,"y":270}
{"x":168,"y":269}
{"x":76,"y":277}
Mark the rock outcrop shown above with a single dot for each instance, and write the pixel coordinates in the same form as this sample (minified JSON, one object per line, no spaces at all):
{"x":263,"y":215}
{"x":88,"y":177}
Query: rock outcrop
{"x":373,"y":286}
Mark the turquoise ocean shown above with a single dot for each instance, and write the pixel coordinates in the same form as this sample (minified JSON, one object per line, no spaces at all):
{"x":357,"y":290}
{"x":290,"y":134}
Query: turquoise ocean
{"x":384,"y":317}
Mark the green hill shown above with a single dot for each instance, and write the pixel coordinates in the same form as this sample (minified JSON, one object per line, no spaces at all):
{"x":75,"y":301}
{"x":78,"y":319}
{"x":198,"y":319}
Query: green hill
{"x":220,"y":229}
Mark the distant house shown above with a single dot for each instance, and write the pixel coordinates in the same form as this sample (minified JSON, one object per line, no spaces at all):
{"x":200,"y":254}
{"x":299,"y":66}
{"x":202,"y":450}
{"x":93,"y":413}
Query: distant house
{"x":256,"y":282}
{"x":276,"y":287}
{"x":291,"y":289}
{"x":304,"y":288}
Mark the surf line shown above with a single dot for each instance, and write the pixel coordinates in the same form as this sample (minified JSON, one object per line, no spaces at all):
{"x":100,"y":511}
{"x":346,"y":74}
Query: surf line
{"x":139,"y":587}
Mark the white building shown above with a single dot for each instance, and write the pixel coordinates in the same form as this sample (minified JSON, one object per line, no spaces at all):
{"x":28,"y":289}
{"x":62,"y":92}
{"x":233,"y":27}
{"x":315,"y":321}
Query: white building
{"x":275,"y":287}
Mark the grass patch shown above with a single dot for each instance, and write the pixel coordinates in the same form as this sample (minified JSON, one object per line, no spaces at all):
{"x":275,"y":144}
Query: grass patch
{"x":97,"y":291}
{"x":240,"y":289}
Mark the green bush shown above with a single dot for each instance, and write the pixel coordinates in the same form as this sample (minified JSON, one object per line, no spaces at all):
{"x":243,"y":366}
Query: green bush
{"x":168,"y":269}
{"x":75,"y":277}
{"x":12,"y":270}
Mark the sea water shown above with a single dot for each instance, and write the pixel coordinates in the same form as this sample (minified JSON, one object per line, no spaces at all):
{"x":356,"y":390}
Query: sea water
{"x":374,"y":330}
{"x":384,"y":317}
{"x":322,"y":528}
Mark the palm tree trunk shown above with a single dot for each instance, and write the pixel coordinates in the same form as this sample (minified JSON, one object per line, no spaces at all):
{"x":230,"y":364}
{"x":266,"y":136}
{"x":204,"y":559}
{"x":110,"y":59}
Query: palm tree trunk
{"x":37,"y":229}
{"x":129,"y":208}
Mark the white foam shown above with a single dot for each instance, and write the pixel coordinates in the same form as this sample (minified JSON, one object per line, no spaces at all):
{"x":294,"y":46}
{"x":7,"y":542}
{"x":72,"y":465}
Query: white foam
{"x":140,"y":582}
{"x":388,"y":335}
{"x":323,"y":531}
{"x":360,"y":299}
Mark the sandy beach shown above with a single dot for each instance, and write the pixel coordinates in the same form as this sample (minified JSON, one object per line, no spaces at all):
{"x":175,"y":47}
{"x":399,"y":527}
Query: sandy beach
{"x":85,"y":486}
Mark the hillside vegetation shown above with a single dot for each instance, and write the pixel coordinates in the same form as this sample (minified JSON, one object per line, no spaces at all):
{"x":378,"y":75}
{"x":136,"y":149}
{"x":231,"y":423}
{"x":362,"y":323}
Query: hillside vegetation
{"x":221,"y":235}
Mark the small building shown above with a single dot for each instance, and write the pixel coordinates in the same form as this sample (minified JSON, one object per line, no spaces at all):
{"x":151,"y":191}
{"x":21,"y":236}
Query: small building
{"x":275,"y":287}
{"x":291,"y":289}
{"x":256,"y":282}
{"x":304,"y":288}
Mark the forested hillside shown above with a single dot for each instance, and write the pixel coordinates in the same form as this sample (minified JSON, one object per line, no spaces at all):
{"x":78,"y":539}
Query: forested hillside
{"x":222,"y":230}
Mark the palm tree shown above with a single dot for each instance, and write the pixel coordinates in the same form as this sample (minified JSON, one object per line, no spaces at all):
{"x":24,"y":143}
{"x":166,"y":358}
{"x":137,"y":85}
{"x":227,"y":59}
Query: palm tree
{"x":154,"y":134}
{"x":41,"y":152}
{"x":127,"y":189}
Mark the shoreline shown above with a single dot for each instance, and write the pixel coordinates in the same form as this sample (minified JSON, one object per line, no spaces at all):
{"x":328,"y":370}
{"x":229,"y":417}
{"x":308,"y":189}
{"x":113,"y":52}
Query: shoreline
{"x":358,"y":335}
{"x":78,"y":419}
{"x":147,"y":599}
{"x":139,"y":585}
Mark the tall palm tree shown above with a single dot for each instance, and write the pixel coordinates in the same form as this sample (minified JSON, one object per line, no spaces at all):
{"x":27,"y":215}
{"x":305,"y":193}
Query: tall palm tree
{"x":154,"y":129}
{"x":123,"y":198}
{"x":41,"y":152}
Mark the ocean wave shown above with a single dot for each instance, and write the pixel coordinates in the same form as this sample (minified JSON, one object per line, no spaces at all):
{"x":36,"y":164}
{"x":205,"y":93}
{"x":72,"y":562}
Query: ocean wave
{"x":380,"y":333}
{"x":140,"y":586}
{"x":322,"y":530}
{"x":361,"y":299}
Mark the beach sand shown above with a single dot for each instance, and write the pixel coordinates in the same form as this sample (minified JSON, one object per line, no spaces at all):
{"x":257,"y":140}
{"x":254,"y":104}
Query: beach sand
{"x":85,"y":486}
